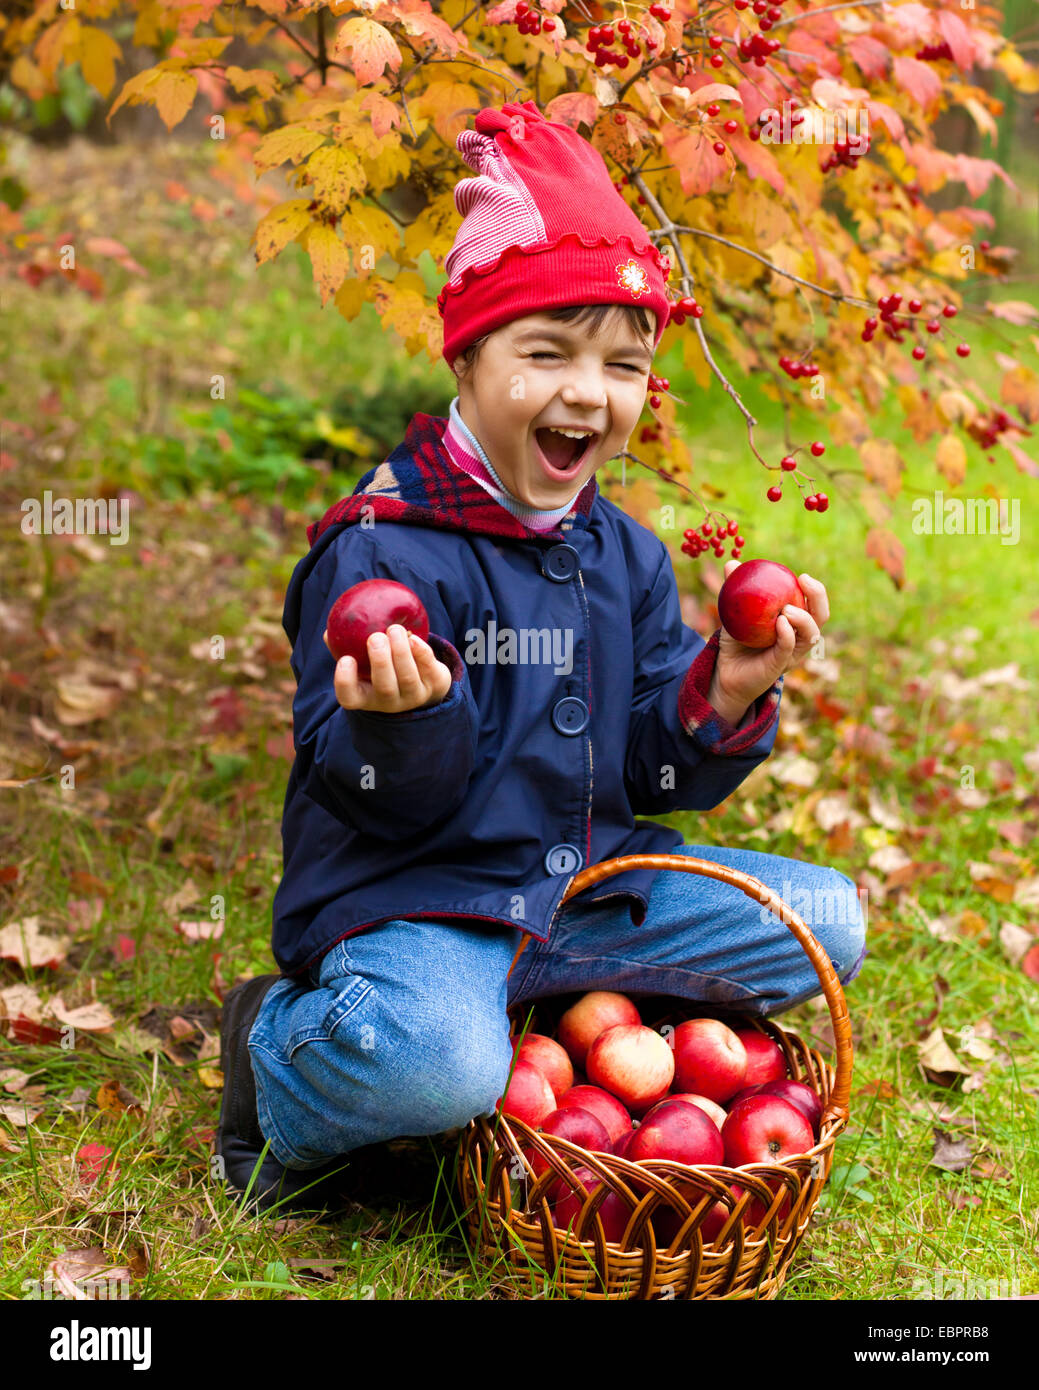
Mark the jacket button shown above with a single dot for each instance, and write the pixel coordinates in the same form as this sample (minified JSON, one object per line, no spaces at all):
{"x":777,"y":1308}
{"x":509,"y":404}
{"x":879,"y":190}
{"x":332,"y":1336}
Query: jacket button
{"x":560,"y":563}
{"x":563,"y":859}
{"x":570,"y":715}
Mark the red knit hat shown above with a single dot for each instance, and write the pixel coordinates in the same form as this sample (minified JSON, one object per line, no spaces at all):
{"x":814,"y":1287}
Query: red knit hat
{"x":542,"y":227}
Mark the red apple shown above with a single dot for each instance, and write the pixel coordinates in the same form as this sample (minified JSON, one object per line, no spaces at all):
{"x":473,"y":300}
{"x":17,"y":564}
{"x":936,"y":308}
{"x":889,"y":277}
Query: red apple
{"x":633,"y":1063}
{"x":577,"y":1127}
{"x":528,"y":1096}
{"x":368,"y":607}
{"x":710,"y":1060}
{"x":546,"y":1054}
{"x":742,"y":1095}
{"x":678,"y":1131}
{"x":602,"y":1105}
{"x":765,"y":1058}
{"x":709,"y":1108}
{"x":621,"y":1145}
{"x":797,"y":1093}
{"x":754,"y":1212}
{"x":613,"y":1213}
{"x":667,"y":1221}
{"x":591,"y":1015}
{"x":765,"y":1129}
{"x":752,"y":598}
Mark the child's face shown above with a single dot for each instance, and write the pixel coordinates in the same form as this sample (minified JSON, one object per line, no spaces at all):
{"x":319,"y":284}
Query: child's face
{"x":536,"y":372}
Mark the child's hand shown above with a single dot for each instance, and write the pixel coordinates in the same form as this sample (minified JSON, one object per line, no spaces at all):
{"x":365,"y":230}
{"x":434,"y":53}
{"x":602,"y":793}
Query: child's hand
{"x":405,"y":674}
{"x":745,"y":673}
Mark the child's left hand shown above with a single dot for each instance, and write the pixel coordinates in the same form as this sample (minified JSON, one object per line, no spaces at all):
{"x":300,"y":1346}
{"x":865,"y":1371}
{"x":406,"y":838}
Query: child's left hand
{"x":745,"y":673}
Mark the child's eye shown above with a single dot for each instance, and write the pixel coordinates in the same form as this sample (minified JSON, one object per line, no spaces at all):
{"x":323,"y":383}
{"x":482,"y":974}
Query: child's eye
{"x":626,"y":365}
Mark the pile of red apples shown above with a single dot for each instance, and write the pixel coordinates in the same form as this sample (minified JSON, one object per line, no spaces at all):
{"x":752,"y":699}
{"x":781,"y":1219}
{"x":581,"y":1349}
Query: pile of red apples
{"x":706,"y":1094}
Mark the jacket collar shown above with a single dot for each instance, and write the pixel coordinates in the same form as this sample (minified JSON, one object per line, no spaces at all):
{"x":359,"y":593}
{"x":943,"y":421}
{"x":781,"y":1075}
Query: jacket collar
{"x":420,"y":485}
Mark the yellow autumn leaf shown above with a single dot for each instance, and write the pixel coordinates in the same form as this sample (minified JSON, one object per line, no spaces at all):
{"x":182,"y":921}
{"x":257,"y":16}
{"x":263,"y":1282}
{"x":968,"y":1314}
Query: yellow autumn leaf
{"x":97,"y":52}
{"x":174,"y":93}
{"x":329,"y":257}
{"x":351,"y":296}
{"x":884,"y":547}
{"x":293,"y":142}
{"x":284,"y":223}
{"x":335,"y":175}
{"x":373,"y":48}
{"x":954,"y":407}
{"x":952,"y":459}
{"x":1020,"y":388}
{"x":1018,"y":73}
{"x":882,"y":465}
{"x":241,"y":79}
{"x":211,"y":1077}
{"x":136,"y":91}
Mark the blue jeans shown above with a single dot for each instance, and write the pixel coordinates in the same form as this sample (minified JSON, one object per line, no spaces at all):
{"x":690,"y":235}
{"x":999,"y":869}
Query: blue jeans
{"x":402,"y":1029}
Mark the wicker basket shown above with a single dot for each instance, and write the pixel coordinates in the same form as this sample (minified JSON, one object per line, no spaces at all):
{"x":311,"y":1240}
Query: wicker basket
{"x":507,"y":1213}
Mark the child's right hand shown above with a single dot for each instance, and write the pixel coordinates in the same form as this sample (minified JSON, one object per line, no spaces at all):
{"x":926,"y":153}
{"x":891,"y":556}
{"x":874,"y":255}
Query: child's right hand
{"x":405,"y":674}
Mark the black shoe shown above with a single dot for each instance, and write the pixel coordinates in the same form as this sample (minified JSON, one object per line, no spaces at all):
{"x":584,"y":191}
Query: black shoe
{"x":240,"y":1141}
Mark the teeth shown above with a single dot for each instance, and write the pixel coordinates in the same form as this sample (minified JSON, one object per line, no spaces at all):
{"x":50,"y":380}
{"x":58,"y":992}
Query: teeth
{"x":573,"y":434}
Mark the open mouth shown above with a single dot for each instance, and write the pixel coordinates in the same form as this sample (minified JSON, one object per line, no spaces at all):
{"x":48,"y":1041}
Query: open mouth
{"x":561,"y":452}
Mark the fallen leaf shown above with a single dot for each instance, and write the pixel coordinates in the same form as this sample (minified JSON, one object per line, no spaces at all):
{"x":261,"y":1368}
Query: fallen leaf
{"x":1018,"y":832}
{"x":1026,"y":893}
{"x":12,"y":1079}
{"x":88,"y":1018}
{"x":23,"y":1011}
{"x":1030,"y":963}
{"x":938,"y":1060}
{"x":951,"y":1154}
{"x":114,"y":1099}
{"x":24,"y":943}
{"x":964,"y":1199}
{"x":211,"y":1077}
{"x":972,"y":925}
{"x":19,"y":1113}
{"x":989,"y":1168}
{"x":93,"y":1162}
{"x":181,"y":1028}
{"x":883,"y":1089}
{"x":200,"y":931}
{"x":184,"y":897}
{"x":125,"y":948}
{"x":85,"y":913}
{"x":86,"y":1274}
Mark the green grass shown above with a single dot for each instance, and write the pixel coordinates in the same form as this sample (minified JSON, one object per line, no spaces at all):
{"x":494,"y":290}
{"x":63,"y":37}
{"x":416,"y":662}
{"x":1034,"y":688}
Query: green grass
{"x":163,"y":796}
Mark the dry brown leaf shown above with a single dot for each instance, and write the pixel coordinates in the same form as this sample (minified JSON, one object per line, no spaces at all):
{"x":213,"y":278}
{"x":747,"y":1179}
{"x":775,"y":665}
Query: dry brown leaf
{"x":114,"y":1099}
{"x":951,"y":1154}
{"x":19,"y":1113}
{"x":1015,"y":941}
{"x":81,"y":701}
{"x":85,"y":1275}
{"x":185,"y":896}
{"x":1026,"y":892}
{"x":939,"y":1062}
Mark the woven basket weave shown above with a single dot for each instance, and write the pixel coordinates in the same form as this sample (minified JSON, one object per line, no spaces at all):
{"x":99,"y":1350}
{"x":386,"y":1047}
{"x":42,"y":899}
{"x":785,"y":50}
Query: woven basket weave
{"x":506,"y":1208}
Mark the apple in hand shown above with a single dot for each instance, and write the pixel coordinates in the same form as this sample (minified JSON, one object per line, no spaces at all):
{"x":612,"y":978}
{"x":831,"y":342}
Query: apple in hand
{"x":546,"y":1054}
{"x":765,"y":1129}
{"x":528,"y":1096}
{"x":797,"y":1093}
{"x":372,"y":606}
{"x":752,"y":598}
{"x":591,"y":1015}
{"x":678,"y":1131}
{"x":765,"y":1058}
{"x":710,"y":1060}
{"x":633,"y":1063}
{"x":602,"y":1105}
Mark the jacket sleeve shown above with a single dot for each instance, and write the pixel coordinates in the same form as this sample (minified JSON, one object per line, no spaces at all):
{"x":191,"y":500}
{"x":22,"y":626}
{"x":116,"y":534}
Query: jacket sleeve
{"x":385,"y":775}
{"x":682,"y":755}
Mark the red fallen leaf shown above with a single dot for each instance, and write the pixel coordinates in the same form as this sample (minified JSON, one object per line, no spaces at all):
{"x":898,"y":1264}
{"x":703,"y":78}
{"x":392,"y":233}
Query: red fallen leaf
{"x":281,"y":746}
{"x":125,"y":948}
{"x":93,"y":1161}
{"x":832,"y":710}
{"x":1030,"y":963}
{"x":923,"y":769}
{"x":28,"y":1030}
{"x":9,"y":873}
{"x":227,"y":712}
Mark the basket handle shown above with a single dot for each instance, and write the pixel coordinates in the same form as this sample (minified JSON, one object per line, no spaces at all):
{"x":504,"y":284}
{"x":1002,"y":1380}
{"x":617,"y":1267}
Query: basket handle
{"x":753,"y":887}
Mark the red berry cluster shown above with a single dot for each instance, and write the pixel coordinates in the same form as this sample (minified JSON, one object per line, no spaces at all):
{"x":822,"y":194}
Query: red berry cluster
{"x":681,"y":308}
{"x":758,"y":48}
{"x":815,"y":501}
{"x":894,"y":327}
{"x":842,"y":157}
{"x":600,"y":36}
{"x":528,"y":21}
{"x":694,"y":542}
{"x":798,"y":369}
{"x":651,"y":433}
{"x":987,"y":432}
{"x":931,"y":51}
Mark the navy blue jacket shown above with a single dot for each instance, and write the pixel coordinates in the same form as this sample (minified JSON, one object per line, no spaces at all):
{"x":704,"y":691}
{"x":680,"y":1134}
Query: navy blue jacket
{"x":540,"y":757}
